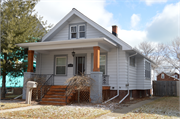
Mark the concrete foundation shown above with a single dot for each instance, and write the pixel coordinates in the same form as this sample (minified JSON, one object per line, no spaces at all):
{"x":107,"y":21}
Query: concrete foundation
{"x":96,"y":88}
{"x":27,"y":75}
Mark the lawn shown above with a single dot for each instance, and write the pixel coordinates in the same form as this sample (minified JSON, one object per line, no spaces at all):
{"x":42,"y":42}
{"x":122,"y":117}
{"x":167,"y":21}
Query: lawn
{"x":57,"y":112}
{"x":4,"y":106}
{"x":163,"y":108}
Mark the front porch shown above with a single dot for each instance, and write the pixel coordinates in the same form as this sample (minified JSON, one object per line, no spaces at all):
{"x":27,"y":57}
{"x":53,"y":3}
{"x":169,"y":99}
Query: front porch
{"x":65,"y":59}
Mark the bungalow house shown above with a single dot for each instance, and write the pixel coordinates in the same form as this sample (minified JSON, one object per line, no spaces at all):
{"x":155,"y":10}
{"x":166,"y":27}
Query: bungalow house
{"x":78,"y":45}
{"x":167,"y":76}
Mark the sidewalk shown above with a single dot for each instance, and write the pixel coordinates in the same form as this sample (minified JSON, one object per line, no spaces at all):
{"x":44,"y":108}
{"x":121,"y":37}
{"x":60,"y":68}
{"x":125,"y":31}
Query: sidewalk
{"x":124,"y":110}
{"x":21,"y":108}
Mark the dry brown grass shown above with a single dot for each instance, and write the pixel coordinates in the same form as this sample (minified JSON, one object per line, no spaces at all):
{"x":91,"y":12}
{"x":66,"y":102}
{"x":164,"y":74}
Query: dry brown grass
{"x":4,"y":106}
{"x":163,"y":108}
{"x":57,"y":112}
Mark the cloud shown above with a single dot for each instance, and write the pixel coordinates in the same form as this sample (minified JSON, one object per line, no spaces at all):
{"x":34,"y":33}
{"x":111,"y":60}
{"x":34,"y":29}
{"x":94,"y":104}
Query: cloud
{"x":135,"y":19}
{"x":54,"y":11}
{"x":150,"y":2}
{"x":132,"y":37}
{"x":165,"y":26}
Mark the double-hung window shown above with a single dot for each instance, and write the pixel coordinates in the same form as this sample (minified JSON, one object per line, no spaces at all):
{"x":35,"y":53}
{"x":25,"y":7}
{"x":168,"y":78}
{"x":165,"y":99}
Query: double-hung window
{"x":103,"y":64}
{"x":81,"y":31}
{"x":77,"y":31}
{"x":73,"y":30}
{"x":147,"y":70}
{"x":132,"y":61}
{"x":60,"y":66}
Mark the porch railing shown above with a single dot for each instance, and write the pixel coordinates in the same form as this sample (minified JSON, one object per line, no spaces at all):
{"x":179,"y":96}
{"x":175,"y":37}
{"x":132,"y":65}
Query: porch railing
{"x":46,"y":86}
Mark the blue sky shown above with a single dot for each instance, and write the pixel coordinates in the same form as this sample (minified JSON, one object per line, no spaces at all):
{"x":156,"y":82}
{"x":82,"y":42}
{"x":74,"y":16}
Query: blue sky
{"x":137,"y":20}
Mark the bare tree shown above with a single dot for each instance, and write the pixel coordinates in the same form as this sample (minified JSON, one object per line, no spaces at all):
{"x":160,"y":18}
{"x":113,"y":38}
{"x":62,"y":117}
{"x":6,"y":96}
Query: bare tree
{"x":155,"y":52}
{"x":173,"y":54}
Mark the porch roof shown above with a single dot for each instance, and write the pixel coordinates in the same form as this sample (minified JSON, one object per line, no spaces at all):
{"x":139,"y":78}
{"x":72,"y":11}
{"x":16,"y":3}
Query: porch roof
{"x":103,"y":43}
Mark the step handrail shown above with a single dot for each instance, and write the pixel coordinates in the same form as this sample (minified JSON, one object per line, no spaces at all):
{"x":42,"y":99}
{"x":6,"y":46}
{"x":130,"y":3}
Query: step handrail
{"x":49,"y":82}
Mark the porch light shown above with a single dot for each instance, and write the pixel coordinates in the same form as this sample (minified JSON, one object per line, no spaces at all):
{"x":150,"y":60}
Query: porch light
{"x":73,"y":53}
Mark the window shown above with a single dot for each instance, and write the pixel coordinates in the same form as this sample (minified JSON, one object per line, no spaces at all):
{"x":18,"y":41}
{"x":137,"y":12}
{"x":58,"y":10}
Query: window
{"x":176,"y":76}
{"x":162,"y":76}
{"x":60,"y":67}
{"x":132,"y":61}
{"x":131,"y":94}
{"x":103,"y":64}
{"x":77,"y":31}
{"x":147,"y":70}
{"x":73,"y":30}
{"x":81,"y":31}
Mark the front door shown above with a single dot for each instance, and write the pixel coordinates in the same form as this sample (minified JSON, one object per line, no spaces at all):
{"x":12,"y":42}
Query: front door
{"x":80,"y":65}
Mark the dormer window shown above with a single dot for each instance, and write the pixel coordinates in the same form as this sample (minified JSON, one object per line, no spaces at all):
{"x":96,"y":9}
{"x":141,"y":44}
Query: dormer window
{"x":73,"y":30}
{"x":176,"y":76}
{"x":162,"y":76}
{"x":82,"y":31}
{"x":77,"y":31}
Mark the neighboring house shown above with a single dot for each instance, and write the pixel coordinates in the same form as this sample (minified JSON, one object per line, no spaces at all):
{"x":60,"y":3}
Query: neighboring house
{"x":72,"y":47}
{"x":168,"y":77}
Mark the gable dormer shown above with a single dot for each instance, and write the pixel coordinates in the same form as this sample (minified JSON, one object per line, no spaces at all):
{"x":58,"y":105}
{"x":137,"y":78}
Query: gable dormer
{"x":64,"y":30}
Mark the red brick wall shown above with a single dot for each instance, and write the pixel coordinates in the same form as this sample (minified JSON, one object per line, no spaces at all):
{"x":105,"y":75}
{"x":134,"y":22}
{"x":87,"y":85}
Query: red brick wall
{"x":166,"y":78}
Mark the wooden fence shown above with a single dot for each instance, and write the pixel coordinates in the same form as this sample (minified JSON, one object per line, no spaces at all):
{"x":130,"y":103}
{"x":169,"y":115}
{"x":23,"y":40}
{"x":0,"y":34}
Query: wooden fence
{"x":165,"y":88}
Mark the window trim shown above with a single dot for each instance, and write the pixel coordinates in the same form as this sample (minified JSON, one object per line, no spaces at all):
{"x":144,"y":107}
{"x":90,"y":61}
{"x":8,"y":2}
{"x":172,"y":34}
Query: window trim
{"x":77,"y":24}
{"x":66,"y":70}
{"x":106,"y":67}
{"x":162,"y":76}
{"x":134,"y":61}
{"x":74,"y":32}
{"x":148,"y":78}
{"x":82,"y":31}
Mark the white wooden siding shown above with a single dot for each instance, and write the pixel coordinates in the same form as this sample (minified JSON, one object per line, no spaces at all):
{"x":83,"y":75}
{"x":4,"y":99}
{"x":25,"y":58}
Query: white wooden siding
{"x":140,"y":73}
{"x":136,"y":74}
{"x":91,"y":32}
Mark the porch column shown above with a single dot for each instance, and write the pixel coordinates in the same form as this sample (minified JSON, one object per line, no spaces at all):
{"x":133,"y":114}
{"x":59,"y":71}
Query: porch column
{"x":30,"y":60}
{"x":96,"y":87}
{"x":96,"y":58}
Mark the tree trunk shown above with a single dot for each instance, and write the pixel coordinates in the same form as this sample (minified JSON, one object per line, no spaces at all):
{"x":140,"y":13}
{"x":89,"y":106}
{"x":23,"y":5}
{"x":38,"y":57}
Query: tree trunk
{"x":3,"y":89}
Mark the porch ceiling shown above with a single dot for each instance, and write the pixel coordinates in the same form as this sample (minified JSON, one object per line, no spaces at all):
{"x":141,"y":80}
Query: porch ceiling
{"x":103,"y":43}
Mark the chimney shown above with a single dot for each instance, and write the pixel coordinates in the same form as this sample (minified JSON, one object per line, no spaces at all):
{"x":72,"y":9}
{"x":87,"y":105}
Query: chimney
{"x":114,"y":30}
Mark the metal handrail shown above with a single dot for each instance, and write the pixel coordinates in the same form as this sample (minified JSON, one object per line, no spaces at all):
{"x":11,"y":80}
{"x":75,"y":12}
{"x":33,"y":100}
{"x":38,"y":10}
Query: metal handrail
{"x":51,"y":79}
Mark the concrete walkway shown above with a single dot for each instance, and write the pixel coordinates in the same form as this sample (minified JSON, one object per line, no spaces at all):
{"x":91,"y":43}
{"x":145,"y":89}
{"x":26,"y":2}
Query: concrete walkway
{"x":124,"y":110}
{"x":21,"y":108}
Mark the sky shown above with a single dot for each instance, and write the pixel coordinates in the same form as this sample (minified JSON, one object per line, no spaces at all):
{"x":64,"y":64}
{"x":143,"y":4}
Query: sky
{"x":137,"y":20}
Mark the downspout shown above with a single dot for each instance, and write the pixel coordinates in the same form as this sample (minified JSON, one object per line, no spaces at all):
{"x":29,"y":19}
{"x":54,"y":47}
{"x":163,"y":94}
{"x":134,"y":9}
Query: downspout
{"x":127,"y":77}
{"x":117,"y":76}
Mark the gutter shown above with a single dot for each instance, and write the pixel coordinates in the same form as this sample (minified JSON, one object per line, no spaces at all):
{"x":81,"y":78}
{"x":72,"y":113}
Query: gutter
{"x":127,"y":85}
{"x":117,"y":75}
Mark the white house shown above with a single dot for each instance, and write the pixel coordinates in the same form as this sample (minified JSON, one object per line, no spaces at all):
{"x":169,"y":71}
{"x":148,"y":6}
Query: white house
{"x":95,"y":49}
